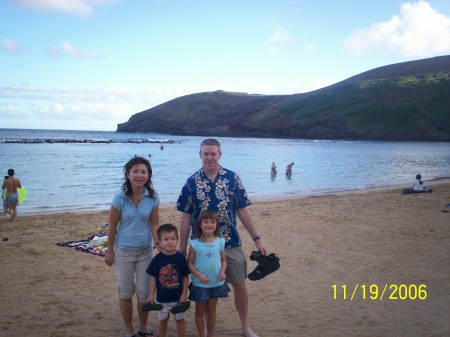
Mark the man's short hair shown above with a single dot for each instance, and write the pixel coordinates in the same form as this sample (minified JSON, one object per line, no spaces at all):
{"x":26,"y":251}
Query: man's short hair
{"x":10,"y":172}
{"x":211,"y":142}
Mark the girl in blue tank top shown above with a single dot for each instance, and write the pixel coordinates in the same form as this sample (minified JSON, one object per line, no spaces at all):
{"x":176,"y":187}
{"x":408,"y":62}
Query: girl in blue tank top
{"x":207,"y":263}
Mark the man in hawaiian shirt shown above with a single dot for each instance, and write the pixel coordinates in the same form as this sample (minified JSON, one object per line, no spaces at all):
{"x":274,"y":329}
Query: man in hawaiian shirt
{"x":214,"y":187}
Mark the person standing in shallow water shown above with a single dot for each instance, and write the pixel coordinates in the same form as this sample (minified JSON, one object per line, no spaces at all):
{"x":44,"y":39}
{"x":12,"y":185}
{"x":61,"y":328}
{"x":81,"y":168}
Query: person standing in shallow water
{"x":133,"y":224}
{"x":12,"y":197}
{"x":214,"y":187}
{"x":289,"y":169}
{"x":273,"y":169}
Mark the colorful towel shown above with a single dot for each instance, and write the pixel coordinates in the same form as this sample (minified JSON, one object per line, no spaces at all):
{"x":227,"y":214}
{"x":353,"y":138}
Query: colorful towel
{"x":96,"y":244}
{"x":84,"y":246}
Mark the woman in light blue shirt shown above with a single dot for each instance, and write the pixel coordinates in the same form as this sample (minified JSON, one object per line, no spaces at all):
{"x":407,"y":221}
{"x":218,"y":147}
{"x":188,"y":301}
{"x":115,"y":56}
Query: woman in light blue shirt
{"x":133,"y":222}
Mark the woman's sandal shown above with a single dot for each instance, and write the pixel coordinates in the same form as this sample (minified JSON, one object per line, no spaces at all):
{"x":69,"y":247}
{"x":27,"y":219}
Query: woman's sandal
{"x":266,"y":265}
{"x":151,"y":307}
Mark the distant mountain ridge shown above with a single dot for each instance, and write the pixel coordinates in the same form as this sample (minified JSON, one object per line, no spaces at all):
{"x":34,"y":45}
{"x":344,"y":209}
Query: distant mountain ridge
{"x":404,"y":101}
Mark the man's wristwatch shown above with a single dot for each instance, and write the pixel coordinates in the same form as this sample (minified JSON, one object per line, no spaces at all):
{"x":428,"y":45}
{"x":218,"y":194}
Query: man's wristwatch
{"x":257,"y":237}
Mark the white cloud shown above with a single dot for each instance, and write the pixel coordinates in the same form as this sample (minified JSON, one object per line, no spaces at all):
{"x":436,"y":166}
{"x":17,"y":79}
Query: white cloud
{"x":72,"y":51}
{"x":73,"y":108}
{"x":10,"y":109}
{"x":81,"y":8}
{"x":419,"y":31}
{"x":280,"y":39}
{"x":10,"y":46}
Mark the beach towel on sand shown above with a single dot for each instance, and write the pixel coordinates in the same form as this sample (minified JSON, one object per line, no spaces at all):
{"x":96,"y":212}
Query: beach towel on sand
{"x":85,"y":246}
{"x":96,"y":244}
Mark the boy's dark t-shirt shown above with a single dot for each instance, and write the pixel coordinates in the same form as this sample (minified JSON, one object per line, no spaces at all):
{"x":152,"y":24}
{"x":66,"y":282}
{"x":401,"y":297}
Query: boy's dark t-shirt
{"x":169,"y":271}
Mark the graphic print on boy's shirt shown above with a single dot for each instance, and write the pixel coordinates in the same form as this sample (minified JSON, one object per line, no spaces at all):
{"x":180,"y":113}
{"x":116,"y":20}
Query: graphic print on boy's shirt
{"x":168,"y":277}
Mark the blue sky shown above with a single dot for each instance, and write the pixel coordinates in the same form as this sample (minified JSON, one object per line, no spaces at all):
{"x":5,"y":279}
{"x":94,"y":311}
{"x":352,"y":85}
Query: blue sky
{"x":91,"y":64}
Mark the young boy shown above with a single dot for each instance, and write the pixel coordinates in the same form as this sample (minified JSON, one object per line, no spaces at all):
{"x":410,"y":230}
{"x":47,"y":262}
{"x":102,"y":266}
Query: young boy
{"x":169,"y":273}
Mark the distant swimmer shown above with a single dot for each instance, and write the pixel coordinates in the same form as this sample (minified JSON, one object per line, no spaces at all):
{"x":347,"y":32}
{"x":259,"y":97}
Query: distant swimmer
{"x":273,"y":169}
{"x":161,"y":146}
{"x":289,"y":169}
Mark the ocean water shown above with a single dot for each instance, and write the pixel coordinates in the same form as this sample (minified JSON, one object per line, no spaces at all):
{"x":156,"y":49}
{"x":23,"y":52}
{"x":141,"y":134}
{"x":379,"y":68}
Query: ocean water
{"x":82,"y":170}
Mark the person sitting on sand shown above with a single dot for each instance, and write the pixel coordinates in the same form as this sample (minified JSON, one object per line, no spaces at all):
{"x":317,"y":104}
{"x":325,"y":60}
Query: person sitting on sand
{"x":418,"y":184}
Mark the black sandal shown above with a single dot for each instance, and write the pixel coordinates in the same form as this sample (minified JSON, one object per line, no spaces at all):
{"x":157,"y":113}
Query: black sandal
{"x":267,"y":264}
{"x":151,"y":306}
{"x":180,"y":307}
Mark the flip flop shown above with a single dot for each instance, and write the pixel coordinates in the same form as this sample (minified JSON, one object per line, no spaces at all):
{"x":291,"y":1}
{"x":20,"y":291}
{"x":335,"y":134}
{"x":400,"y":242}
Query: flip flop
{"x":180,"y":307}
{"x":149,"y":333}
{"x":266,"y":265}
{"x":151,"y":307}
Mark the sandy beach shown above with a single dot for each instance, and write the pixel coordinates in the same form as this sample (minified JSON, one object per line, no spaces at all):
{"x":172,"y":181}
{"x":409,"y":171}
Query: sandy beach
{"x":390,"y":251}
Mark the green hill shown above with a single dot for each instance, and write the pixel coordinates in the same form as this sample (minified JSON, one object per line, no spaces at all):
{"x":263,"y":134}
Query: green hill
{"x":404,"y":101}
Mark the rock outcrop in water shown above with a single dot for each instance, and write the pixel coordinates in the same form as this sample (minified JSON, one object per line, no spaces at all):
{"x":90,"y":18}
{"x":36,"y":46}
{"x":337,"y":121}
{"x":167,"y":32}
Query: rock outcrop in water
{"x":87,"y":141}
{"x":404,"y":101}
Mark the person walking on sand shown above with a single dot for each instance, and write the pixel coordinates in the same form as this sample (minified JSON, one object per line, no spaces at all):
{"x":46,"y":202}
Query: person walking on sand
{"x":217,"y":188}
{"x":169,"y":274}
{"x":207,"y":262}
{"x":12,"y":197}
{"x":133,"y":221}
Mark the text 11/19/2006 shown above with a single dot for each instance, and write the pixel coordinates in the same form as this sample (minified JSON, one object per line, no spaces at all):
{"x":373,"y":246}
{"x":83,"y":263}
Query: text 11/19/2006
{"x":391,"y":292}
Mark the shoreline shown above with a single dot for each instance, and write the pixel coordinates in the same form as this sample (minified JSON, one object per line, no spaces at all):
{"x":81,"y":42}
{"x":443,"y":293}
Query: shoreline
{"x":254,"y":199}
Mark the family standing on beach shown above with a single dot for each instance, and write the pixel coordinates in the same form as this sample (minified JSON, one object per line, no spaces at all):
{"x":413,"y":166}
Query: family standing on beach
{"x":210,"y":202}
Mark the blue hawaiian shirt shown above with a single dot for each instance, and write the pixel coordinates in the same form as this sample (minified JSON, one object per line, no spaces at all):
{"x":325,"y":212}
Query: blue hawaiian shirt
{"x":225,"y":195}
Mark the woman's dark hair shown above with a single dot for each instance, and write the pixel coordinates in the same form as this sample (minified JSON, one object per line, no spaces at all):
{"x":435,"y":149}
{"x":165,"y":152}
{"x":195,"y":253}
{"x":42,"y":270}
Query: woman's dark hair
{"x":204,"y":215}
{"x":127,"y":168}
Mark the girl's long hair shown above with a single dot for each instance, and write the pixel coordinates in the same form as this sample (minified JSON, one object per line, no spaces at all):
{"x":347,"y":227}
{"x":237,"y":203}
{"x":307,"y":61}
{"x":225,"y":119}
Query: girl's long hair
{"x":204,"y":215}
{"x":148,"y":184}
